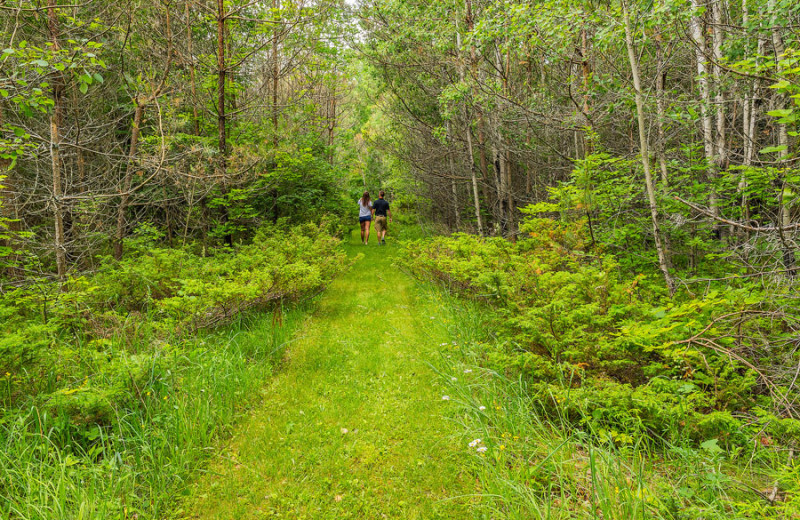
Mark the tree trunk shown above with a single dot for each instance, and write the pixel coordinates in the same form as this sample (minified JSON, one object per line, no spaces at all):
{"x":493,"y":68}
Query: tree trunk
{"x":473,"y":176}
{"x":140,"y":105}
{"x":718,"y":36}
{"x":222,"y":134}
{"x":56,"y":120}
{"x":507,"y":196}
{"x":196,"y":127}
{"x":331,"y":119}
{"x":783,"y":141}
{"x":663,"y":261}
{"x":468,"y":132}
{"x":780,"y":51}
{"x":661,"y":149}
{"x":698,"y":35}
{"x":192,"y":71}
{"x":748,"y":126}
{"x":276,"y":69}
{"x":453,"y":186}
{"x":127,"y":181}
{"x":480,"y":123}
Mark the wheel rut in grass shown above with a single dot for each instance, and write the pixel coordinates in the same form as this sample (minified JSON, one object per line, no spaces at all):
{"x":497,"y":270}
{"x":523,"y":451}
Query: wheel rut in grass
{"x":354,"y":425}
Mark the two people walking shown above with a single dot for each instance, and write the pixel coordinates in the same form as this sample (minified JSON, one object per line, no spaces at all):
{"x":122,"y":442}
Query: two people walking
{"x":380,"y":211}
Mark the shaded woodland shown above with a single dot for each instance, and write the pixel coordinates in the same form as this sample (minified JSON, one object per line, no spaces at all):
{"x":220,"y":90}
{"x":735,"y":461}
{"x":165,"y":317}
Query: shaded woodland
{"x":670,"y":126}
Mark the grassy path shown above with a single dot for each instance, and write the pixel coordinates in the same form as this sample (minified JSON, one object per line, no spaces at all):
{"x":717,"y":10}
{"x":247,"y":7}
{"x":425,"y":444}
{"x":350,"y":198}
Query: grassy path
{"x":352,"y":426}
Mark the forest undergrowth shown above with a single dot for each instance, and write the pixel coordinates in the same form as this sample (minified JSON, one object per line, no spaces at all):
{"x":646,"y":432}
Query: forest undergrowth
{"x":585,"y":391}
{"x":115,"y":384}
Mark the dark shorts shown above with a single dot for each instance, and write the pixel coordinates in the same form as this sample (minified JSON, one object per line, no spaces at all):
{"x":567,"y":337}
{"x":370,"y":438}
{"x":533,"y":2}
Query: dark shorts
{"x":364,"y":219}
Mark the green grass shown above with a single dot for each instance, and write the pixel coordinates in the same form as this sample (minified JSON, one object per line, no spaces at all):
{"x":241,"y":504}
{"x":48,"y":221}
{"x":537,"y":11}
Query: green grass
{"x":339,"y":413}
{"x":52,"y":469}
{"x":354,"y":426}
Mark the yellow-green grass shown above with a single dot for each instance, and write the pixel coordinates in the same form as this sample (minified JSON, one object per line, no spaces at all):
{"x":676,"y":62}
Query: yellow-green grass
{"x":355,"y":424}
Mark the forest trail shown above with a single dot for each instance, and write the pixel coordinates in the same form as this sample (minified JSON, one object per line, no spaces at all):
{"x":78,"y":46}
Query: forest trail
{"x":353,"y":425}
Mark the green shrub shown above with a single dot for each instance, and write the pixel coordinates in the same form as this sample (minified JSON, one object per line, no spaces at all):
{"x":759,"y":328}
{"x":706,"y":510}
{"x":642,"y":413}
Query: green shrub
{"x":83,"y":346}
{"x":610,"y":350}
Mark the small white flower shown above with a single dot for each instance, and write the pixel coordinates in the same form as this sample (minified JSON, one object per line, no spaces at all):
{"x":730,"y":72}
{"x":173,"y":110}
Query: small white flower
{"x":453,"y":379}
{"x":474,"y":443}
{"x":344,"y":430}
{"x":468,"y":371}
{"x":482,"y":449}
{"x":442,"y":344}
{"x":481,"y":408}
{"x":445,"y":398}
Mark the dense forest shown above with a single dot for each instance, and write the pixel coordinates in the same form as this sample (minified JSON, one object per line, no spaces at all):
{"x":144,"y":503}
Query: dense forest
{"x":606,"y":196}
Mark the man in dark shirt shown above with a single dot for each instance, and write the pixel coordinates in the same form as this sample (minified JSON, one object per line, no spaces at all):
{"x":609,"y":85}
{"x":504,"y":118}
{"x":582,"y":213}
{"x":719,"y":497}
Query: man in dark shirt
{"x":380,"y":210}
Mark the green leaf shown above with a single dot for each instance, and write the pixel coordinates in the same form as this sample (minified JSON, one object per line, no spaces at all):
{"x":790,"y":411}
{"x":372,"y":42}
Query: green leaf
{"x":772,"y":149}
{"x":781,"y":84}
{"x":711,"y":446}
{"x":84,"y":88}
{"x":780,"y":113}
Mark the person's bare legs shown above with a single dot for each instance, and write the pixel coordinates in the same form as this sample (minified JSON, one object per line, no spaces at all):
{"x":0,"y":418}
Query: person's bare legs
{"x":366,"y":232}
{"x":362,"y":231}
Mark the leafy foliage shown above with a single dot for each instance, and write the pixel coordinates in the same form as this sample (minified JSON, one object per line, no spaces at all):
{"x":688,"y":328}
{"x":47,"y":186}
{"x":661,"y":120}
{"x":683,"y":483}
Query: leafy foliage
{"x":54,"y":337}
{"x":628,"y":360}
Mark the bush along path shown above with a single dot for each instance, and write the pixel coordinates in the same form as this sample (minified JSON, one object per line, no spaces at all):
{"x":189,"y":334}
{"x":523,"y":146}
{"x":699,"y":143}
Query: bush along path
{"x":355,"y":424}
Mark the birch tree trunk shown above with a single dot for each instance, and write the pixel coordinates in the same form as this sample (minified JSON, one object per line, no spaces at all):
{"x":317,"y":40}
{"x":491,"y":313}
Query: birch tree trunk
{"x":453,"y":186}
{"x":718,"y":38}
{"x":698,"y":35}
{"x":663,"y":261}
{"x":480,"y":122}
{"x":468,"y":132}
{"x":749,"y":118}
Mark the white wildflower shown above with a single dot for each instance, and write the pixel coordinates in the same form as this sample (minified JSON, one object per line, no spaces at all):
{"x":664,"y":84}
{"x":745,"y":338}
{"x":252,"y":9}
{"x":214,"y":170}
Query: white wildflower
{"x":344,"y":430}
{"x":482,"y":449}
{"x":468,"y":371}
{"x":481,"y":408}
{"x":445,"y":398}
{"x":474,"y":443}
{"x":454,"y":379}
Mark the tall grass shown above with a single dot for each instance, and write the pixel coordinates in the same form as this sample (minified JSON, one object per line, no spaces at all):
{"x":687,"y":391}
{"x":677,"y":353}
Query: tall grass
{"x":533,"y":463}
{"x":52,"y":469}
